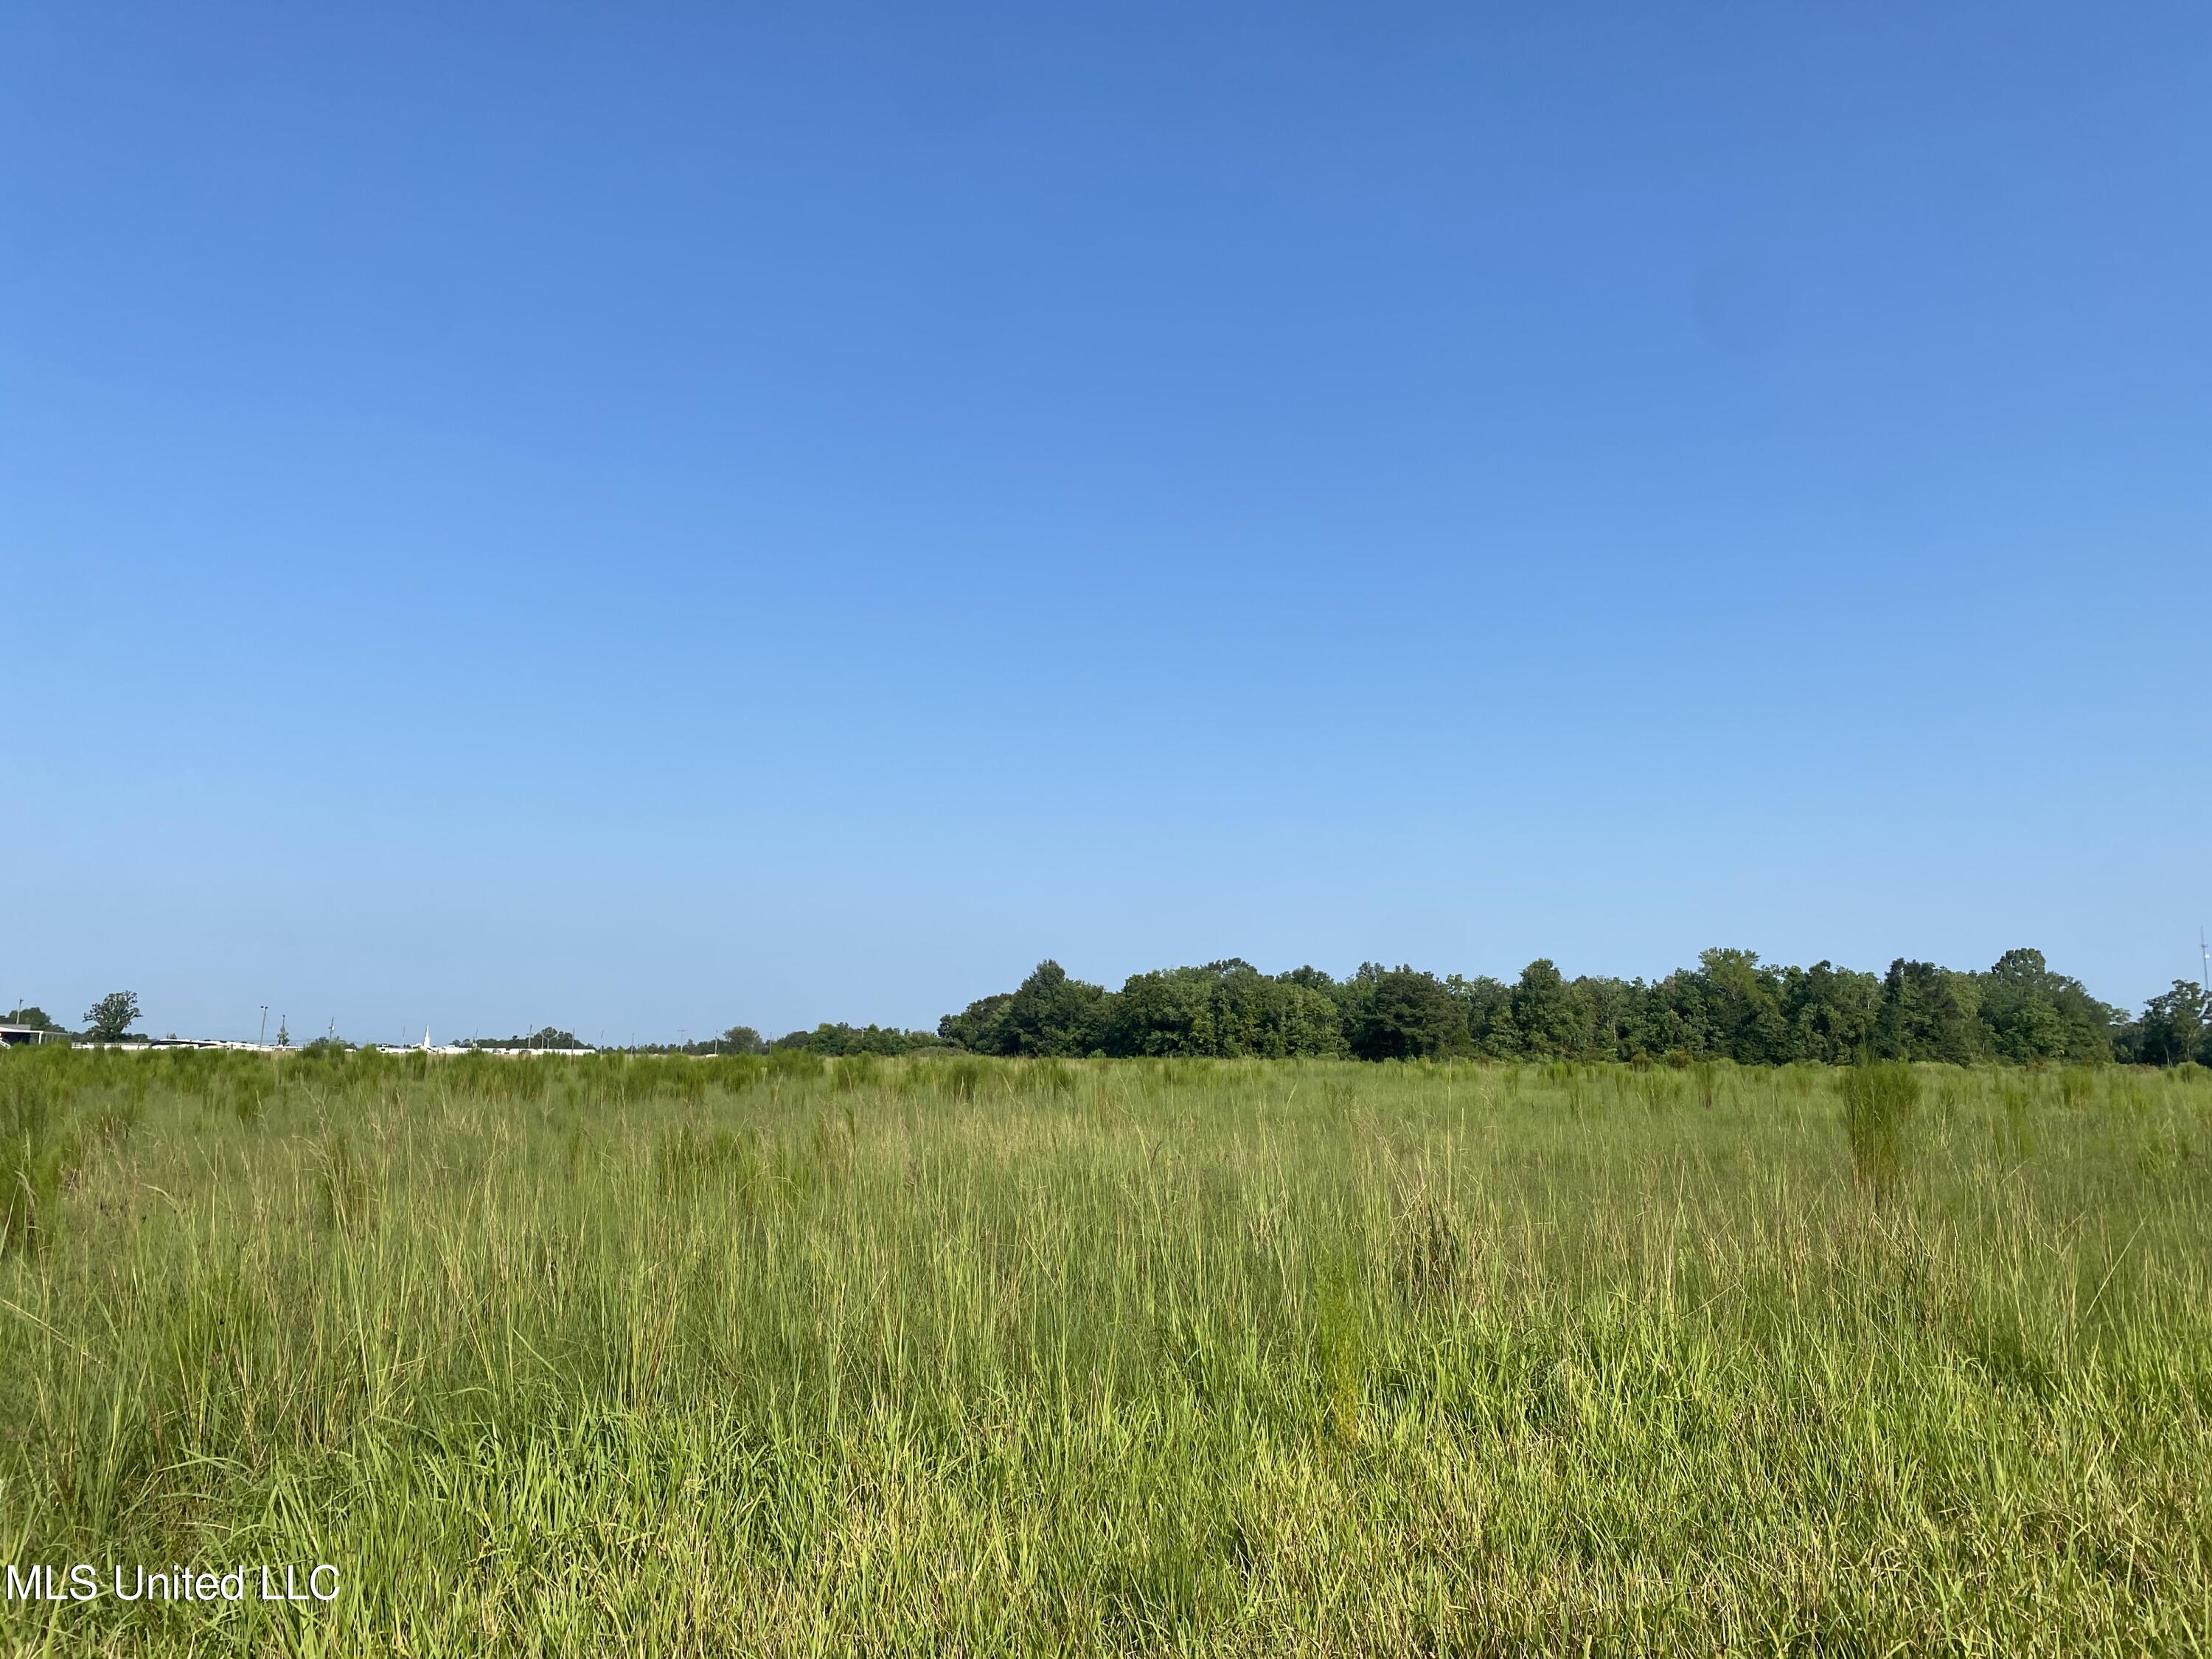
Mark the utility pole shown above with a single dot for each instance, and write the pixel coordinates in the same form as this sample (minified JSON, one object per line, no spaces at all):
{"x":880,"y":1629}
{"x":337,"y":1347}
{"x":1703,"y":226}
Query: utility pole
{"x":264,"y":1025}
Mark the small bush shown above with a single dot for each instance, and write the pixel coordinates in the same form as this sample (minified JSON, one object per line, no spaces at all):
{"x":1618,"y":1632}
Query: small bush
{"x":345,"y":1197}
{"x":1428,"y":1250}
{"x":38,"y":1150}
{"x":689,"y":1157}
{"x":961,"y":1079}
{"x":1879,"y":1101}
{"x":796,"y":1064}
{"x":851,"y":1072}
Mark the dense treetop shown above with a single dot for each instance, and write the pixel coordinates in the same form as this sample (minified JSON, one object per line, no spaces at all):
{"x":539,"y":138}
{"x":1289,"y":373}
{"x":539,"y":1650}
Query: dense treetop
{"x":545,"y":1038}
{"x":1731,"y":1006}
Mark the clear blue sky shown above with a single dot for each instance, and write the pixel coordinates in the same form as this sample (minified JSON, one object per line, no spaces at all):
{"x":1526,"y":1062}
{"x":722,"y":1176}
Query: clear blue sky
{"x":648,"y":517}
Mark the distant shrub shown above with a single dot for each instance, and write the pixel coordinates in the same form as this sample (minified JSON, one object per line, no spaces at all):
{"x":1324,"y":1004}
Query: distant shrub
{"x":1043,"y":1077}
{"x":345,"y":1198}
{"x":796,"y":1063}
{"x":1429,"y":1251}
{"x":1707,"y":1075}
{"x":690,"y":1156}
{"x":1879,"y":1101}
{"x":859,"y":1070}
{"x":961,"y":1079}
{"x":36,"y":1149}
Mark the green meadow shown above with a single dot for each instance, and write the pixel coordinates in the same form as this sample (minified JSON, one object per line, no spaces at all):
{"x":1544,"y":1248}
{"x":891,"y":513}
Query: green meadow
{"x":947,"y":1355}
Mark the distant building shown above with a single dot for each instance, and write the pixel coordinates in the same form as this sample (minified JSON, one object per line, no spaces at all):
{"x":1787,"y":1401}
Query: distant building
{"x":13,"y":1035}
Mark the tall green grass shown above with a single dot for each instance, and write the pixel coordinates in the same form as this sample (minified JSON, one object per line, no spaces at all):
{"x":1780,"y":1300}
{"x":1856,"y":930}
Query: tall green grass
{"x":936,"y":1355}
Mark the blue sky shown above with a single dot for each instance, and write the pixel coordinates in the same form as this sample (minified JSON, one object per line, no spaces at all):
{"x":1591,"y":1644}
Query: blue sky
{"x":649,"y":517}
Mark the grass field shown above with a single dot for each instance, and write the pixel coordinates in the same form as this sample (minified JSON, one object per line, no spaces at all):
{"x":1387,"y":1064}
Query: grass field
{"x":948,"y":1356}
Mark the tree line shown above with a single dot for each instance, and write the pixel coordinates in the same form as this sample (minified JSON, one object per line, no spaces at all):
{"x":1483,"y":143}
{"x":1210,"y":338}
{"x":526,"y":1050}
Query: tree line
{"x":1730,"y":1006}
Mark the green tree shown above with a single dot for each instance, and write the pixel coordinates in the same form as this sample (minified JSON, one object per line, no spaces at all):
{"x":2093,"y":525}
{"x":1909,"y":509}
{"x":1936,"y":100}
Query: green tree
{"x":1487,"y":1005}
{"x":1226,"y":1009}
{"x":2173,"y":1027}
{"x":1606,"y":1014}
{"x":1928,"y":1013}
{"x":1543,"y":1012}
{"x":1731,"y":1004}
{"x":1161,"y":1012}
{"x":1743,"y":1004}
{"x":1050,"y":1014}
{"x":844,"y":1038}
{"x":37,"y":1018}
{"x":981,"y":1027}
{"x":545,"y":1036}
{"x":1298,"y":1020}
{"x":109,"y":1019}
{"x":1833,"y":1013}
{"x":2032,"y":1013}
{"x":1677,"y":1016}
{"x":1402,"y":1013}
